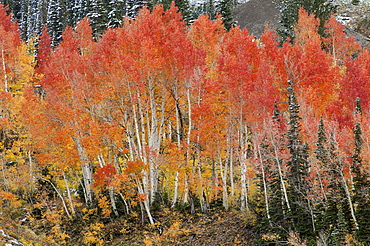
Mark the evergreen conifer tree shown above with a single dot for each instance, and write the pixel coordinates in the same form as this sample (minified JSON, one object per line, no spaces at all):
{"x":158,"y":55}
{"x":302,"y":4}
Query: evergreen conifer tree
{"x":225,"y":8}
{"x":98,"y":16}
{"x":334,"y":214}
{"x":54,"y":21}
{"x":338,"y":213}
{"x":80,"y":8}
{"x":279,"y":208}
{"x":301,"y":209}
{"x":360,"y":181}
{"x":23,"y":18}
{"x":184,"y":8}
{"x":134,"y":6}
{"x":117,"y":10}
{"x":208,"y":7}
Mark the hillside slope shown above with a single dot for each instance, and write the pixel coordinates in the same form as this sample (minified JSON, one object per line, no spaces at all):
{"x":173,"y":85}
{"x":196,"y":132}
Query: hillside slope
{"x":256,"y":14}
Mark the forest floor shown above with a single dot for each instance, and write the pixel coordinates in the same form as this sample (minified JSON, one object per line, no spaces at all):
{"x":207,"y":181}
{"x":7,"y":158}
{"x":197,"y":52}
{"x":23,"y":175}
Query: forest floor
{"x":172,"y":228}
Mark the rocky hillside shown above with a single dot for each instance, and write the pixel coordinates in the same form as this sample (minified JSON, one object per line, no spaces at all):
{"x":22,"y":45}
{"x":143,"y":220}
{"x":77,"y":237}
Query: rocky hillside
{"x":256,"y":14}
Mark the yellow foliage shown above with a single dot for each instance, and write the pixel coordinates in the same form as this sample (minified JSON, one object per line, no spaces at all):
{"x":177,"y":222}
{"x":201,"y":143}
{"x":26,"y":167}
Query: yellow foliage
{"x":88,"y":213}
{"x":92,"y":236}
{"x":26,"y":63}
{"x":9,"y":203}
{"x":53,"y":217}
{"x":350,"y":241}
{"x":176,"y":230}
{"x":58,"y":235}
{"x":105,"y":206}
{"x":148,"y":241}
{"x":271,"y":237}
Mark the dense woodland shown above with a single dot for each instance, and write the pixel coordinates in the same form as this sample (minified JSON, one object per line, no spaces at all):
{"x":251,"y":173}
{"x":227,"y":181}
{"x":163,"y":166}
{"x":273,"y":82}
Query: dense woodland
{"x":161,"y":115}
{"x":32,"y":15}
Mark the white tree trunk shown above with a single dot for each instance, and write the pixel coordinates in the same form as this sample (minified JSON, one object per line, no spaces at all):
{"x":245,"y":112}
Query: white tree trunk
{"x":4,"y":71}
{"x":281,"y":177}
{"x":59,"y":194}
{"x":175,"y":195}
{"x":265,"y":187}
{"x":68,"y":193}
{"x":86,"y":171}
{"x":345,"y":186}
{"x":113,"y":201}
{"x":145,"y":202}
{"x":225,"y":194}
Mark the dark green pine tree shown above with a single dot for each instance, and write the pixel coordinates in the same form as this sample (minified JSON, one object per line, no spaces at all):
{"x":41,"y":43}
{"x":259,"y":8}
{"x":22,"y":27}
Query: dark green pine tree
{"x":134,"y":6}
{"x":321,"y":148}
{"x":23,"y":18}
{"x":13,"y":6}
{"x":206,"y":8}
{"x":301,"y":210}
{"x":258,"y":203}
{"x":34,"y":24}
{"x":332,"y":215}
{"x":278,"y":207}
{"x":80,"y":9}
{"x":184,"y":8}
{"x":225,"y":8}
{"x":98,"y":16}
{"x":117,"y":10}
{"x":361,"y":183}
{"x":67,"y":12}
{"x":324,"y":209}
{"x":55,"y":22}
{"x":338,"y":215}
{"x":322,"y":9}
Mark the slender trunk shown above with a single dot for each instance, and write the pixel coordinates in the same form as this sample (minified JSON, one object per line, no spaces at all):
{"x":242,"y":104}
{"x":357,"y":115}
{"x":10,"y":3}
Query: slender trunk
{"x":145,"y":202}
{"x":312,"y":215}
{"x":265,"y":187}
{"x":202,"y":201}
{"x":137,"y":132}
{"x":113,"y":201}
{"x":192,"y":206}
{"x":59,"y":194}
{"x":243,"y":155}
{"x":281,"y":178}
{"x":153,"y":143}
{"x":186,"y":189}
{"x":178,"y":124}
{"x":86,"y":171}
{"x":225,"y":194}
{"x":322,"y":186}
{"x":130,"y":134}
{"x":244,"y":194}
{"x":125,"y":202}
{"x":4,"y":70}
{"x":68,"y":193}
{"x":175,"y":190}
{"x":346,"y":189}
{"x":101,"y":160}
{"x":31,"y":168}
{"x":83,"y":187}
{"x":232,"y":172}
